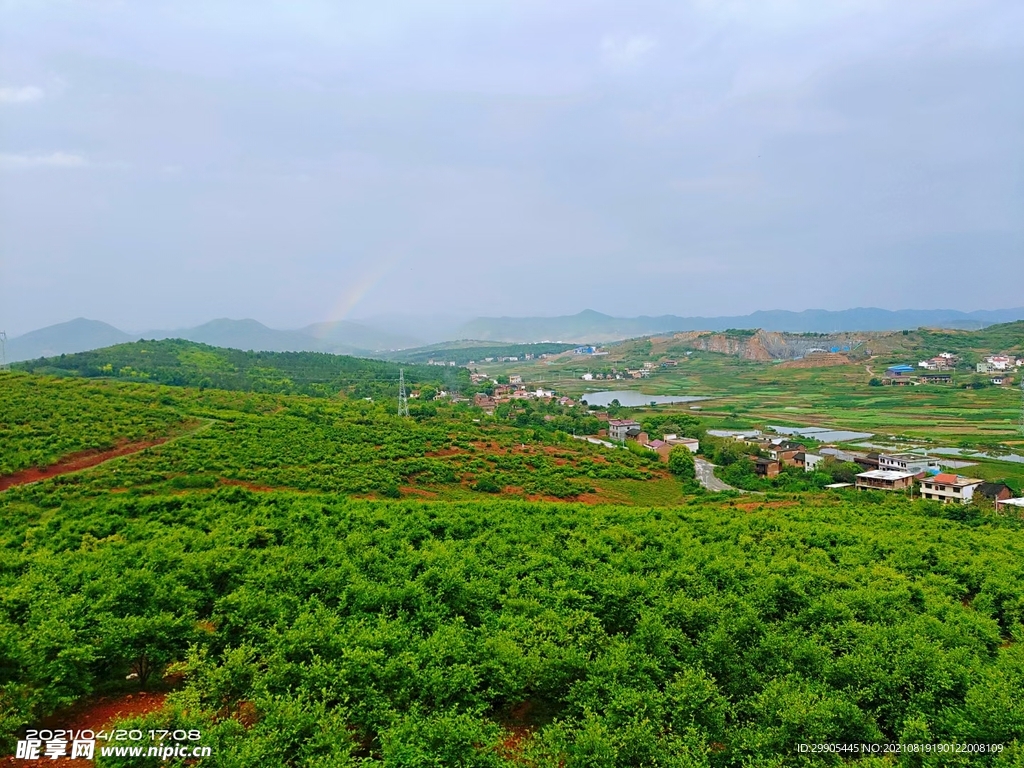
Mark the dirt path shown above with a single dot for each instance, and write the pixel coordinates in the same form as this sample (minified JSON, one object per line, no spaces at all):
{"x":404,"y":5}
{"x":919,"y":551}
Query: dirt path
{"x":95,"y":716}
{"x":76,"y":462}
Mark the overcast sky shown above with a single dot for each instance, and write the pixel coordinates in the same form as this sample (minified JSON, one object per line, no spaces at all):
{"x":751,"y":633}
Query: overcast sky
{"x":166,"y":163}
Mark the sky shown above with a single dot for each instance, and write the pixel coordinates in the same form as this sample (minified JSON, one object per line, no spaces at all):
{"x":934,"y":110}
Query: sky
{"x":166,"y":163}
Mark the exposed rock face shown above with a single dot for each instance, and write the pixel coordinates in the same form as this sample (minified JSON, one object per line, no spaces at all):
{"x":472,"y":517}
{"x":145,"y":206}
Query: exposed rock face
{"x":763,"y":346}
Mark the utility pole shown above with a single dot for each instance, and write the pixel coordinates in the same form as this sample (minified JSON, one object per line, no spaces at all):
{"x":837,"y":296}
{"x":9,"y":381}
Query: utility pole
{"x":403,"y":401}
{"x":3,"y":351}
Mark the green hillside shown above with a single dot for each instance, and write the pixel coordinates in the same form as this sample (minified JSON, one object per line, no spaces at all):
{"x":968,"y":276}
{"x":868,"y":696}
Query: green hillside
{"x":186,"y":363}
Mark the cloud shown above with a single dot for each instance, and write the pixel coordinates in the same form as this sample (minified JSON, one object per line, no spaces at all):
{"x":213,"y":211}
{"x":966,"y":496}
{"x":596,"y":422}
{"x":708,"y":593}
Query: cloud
{"x":52,"y":160}
{"x":11,"y":95}
{"x":626,"y":50}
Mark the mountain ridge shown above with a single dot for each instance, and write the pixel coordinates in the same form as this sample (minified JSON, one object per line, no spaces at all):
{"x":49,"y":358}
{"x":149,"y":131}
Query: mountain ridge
{"x":588,"y":326}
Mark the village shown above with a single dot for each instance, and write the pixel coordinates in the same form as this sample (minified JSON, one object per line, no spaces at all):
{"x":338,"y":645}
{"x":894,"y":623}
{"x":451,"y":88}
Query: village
{"x":941,"y":369}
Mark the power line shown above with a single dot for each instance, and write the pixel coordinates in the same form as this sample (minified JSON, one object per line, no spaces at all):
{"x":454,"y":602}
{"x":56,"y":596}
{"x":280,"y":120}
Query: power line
{"x":403,"y":401}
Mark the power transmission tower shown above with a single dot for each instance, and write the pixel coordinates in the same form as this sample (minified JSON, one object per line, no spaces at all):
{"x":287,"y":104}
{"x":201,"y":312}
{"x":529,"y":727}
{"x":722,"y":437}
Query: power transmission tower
{"x":3,"y":351}
{"x":403,"y":401}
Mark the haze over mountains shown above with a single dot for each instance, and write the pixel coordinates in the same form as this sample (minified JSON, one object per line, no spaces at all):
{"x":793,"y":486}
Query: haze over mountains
{"x":374,"y":336}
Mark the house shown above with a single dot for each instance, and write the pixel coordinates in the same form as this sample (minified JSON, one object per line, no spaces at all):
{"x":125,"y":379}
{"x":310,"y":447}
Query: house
{"x":503,"y":389}
{"x":808,"y":460}
{"x":636,"y":435}
{"x":998,"y":380}
{"x":765,"y":467}
{"x":884,"y":480}
{"x":566,"y":402}
{"x":617,"y":428}
{"x":907,"y":462}
{"x":994,"y":491}
{"x":481,"y":400}
{"x":999,"y":362}
{"x":543,"y":393}
{"x":936,"y":378}
{"x":515,"y":378}
{"x":1015,"y":506}
{"x":867,"y":460}
{"x":946,"y":488}
{"x":648,"y":366}
{"x":687,"y":442}
{"x":785,"y":451}
{"x":895,"y":371}
{"x":587,"y":377}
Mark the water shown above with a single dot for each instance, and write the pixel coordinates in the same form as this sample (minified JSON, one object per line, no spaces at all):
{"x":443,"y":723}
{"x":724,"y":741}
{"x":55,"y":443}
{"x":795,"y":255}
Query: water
{"x":823,"y":434}
{"x":632,"y":398}
{"x":969,"y":454}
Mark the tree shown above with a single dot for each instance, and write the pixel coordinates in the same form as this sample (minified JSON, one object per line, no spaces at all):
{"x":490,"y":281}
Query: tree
{"x":681,"y":463}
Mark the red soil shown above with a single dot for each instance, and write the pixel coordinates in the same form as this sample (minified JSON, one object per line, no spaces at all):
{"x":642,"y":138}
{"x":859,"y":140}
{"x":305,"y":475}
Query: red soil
{"x":75,"y":462}
{"x":250,"y":486}
{"x":95,"y":716}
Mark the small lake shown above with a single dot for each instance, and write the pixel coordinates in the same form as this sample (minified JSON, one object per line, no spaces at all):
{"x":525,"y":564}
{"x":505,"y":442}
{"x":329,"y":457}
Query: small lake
{"x":631,"y":398}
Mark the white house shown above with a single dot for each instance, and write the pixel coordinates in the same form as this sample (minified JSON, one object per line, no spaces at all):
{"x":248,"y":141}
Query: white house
{"x":587,"y":377}
{"x":885,"y":480}
{"x":906,"y":462}
{"x":810,"y":460}
{"x":690,"y":443}
{"x":617,"y":428}
{"x":1010,"y":505}
{"x":946,"y":488}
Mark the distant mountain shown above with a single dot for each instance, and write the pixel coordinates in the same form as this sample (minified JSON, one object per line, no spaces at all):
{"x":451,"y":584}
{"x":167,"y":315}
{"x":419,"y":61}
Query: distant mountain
{"x":390,"y":333}
{"x":591,"y":326}
{"x":78,"y":335}
{"x":243,"y":334}
{"x":339,"y":338}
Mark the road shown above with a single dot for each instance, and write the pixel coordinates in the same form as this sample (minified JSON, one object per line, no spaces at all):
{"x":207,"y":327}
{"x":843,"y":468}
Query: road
{"x":706,"y":476}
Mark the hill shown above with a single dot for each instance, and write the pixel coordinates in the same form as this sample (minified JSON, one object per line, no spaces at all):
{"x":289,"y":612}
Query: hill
{"x":389,"y":333}
{"x":178,"y":362}
{"x":591,"y":326}
{"x":77,"y":335}
{"x":82,"y":335}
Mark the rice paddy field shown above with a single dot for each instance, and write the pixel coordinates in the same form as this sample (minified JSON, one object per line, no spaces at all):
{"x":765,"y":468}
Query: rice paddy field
{"x":748,"y":394}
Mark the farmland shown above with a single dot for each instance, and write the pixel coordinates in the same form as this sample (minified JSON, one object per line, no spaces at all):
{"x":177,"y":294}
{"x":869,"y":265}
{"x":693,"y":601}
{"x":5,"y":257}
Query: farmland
{"x":750,"y":393}
{"x":312,"y":580}
{"x":311,"y":629}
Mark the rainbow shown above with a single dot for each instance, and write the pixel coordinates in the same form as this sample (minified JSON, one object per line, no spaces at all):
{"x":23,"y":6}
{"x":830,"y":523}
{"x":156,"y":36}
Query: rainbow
{"x":354,"y":292}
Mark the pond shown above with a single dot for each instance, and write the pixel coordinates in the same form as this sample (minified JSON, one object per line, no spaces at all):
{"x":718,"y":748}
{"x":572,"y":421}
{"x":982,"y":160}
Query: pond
{"x":631,"y":398}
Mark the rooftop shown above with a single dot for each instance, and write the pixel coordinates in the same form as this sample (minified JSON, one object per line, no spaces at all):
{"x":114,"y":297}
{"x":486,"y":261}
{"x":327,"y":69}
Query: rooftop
{"x":947,"y":479}
{"x":886,"y":474}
